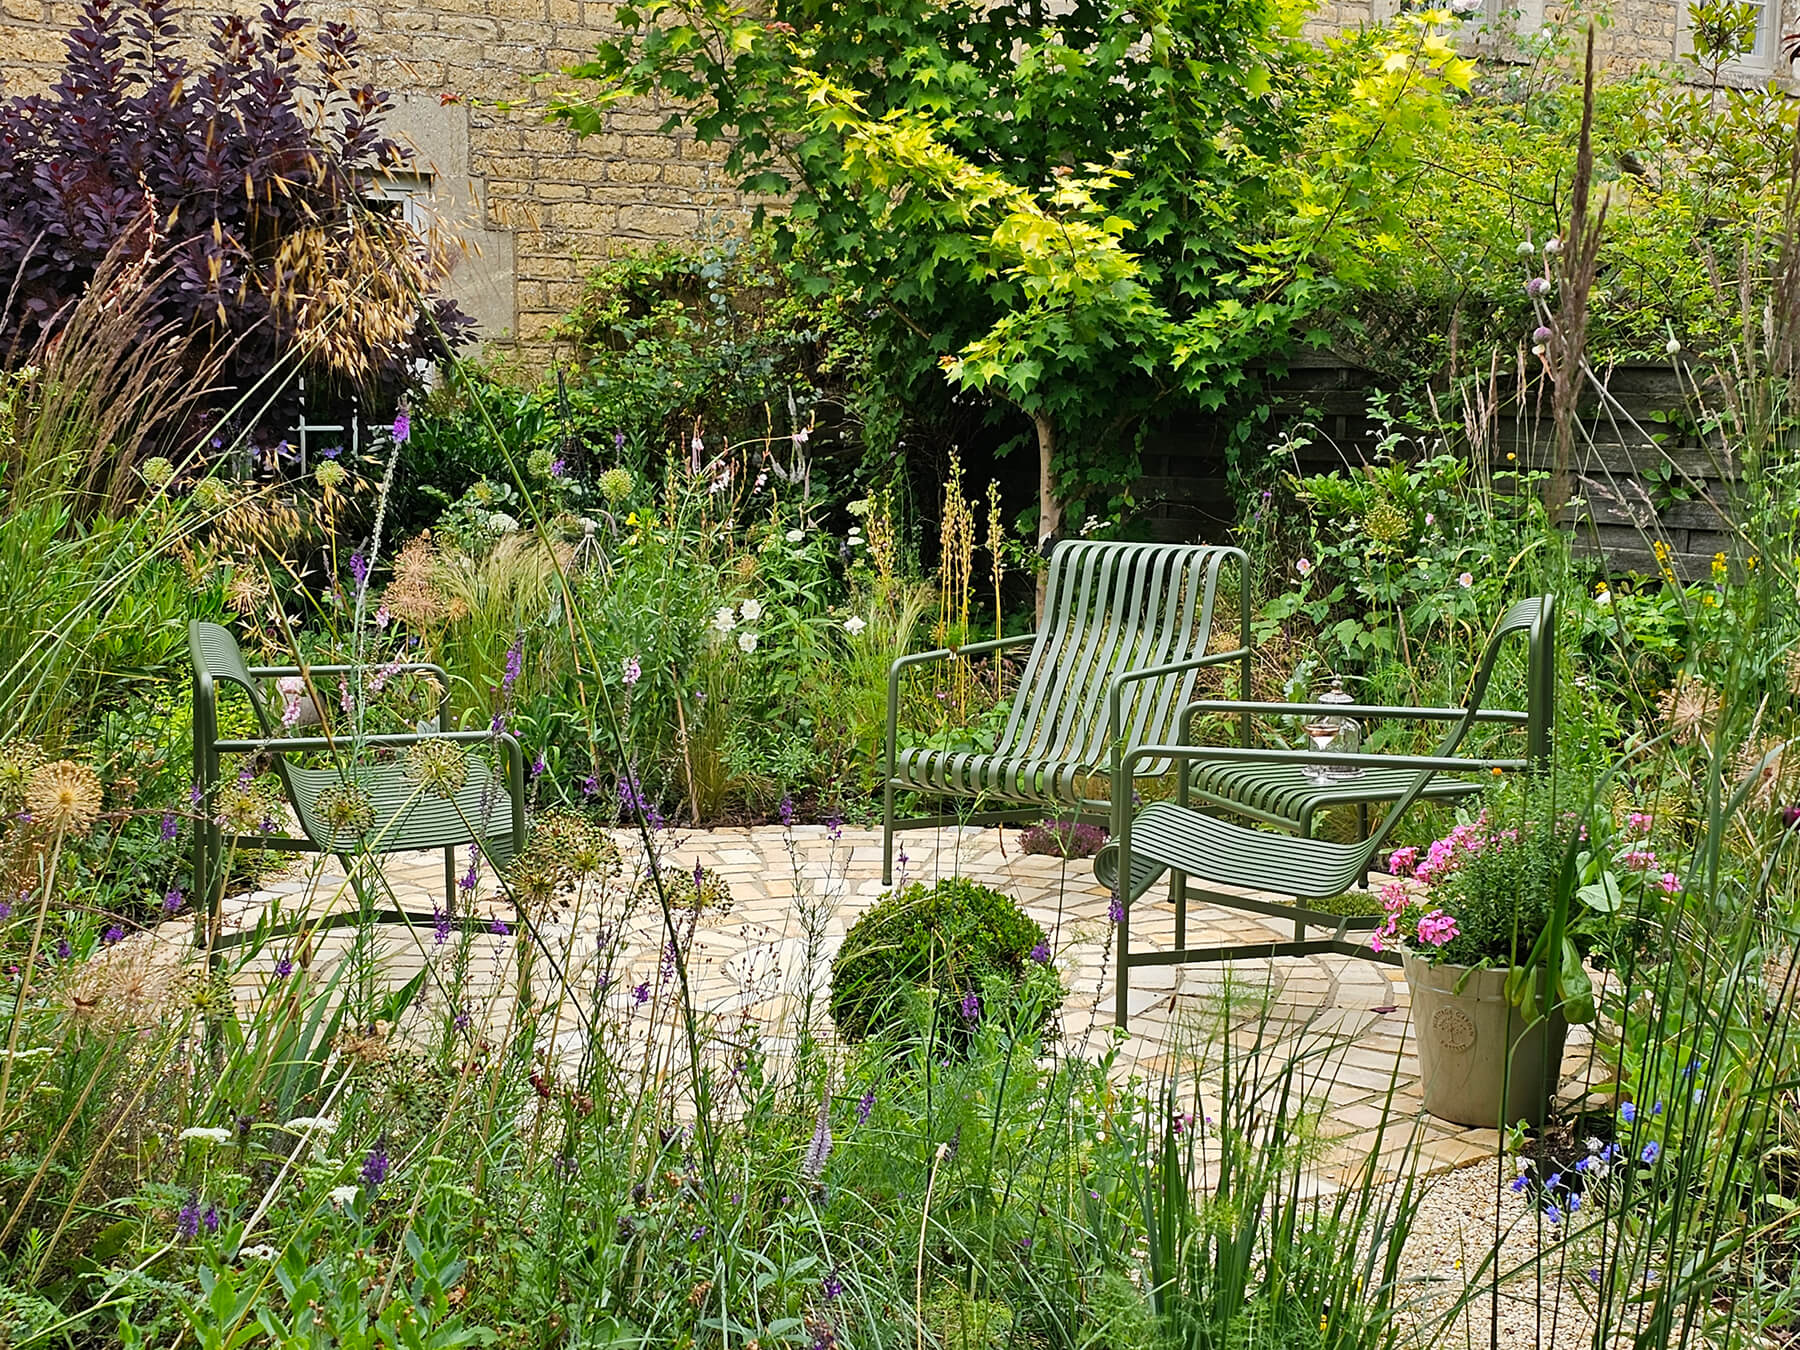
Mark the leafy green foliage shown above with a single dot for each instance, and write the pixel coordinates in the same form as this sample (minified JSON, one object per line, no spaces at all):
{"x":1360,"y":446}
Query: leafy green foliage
{"x":956,"y":940}
{"x":1081,"y":216}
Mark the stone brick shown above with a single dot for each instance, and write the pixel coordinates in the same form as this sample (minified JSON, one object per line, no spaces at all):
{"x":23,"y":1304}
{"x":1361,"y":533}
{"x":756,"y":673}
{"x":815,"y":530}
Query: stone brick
{"x":22,"y":46}
{"x":633,"y":171}
{"x":662,"y":221}
{"x":476,"y":27}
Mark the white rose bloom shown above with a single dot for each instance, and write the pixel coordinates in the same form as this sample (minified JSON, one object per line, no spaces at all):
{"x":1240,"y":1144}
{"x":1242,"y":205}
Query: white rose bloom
{"x":207,"y":1134}
{"x":795,"y":536}
{"x":724,"y":619}
{"x":342,"y":1195}
{"x":751,"y":610}
{"x":854,"y":624}
{"x":746,"y":642}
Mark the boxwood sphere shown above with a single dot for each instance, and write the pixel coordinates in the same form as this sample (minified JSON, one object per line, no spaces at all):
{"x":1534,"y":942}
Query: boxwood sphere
{"x":948,"y":938}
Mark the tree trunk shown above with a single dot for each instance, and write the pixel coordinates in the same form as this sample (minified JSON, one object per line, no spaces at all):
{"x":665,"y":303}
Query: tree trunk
{"x":1050,"y":511}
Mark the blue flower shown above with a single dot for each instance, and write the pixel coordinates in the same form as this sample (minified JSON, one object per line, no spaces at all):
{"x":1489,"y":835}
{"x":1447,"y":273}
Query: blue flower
{"x":1041,"y":953}
{"x":1652,"y":1151}
{"x":1519,"y":1183}
{"x":376,"y":1166}
{"x":1552,"y":1214}
{"x":1628,"y":1113}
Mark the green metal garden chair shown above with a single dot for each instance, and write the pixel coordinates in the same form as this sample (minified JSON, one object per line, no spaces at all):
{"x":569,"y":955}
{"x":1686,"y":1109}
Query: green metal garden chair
{"x":1123,"y":637}
{"x":487,"y":810}
{"x":1172,"y":837}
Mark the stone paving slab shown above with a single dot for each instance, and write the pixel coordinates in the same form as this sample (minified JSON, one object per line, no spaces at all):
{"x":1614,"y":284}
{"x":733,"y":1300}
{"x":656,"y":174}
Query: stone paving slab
{"x":754,"y":968}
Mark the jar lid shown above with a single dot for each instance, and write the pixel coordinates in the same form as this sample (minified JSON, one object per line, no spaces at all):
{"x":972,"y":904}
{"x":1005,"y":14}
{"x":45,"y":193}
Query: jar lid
{"x":1336,"y":693}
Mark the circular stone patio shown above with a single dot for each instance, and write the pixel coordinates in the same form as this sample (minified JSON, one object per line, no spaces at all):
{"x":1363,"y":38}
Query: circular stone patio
{"x":597,"y":968}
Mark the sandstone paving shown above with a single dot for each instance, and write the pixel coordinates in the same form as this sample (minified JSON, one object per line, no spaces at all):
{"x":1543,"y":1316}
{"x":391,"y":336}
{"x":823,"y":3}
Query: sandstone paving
{"x":598,"y":967}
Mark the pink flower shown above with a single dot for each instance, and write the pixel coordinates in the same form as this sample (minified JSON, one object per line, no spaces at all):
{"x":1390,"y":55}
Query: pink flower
{"x":1437,"y":928}
{"x":1638,"y":859}
{"x":1394,"y":898}
{"x":1639,"y":822}
{"x":1402,"y":861}
{"x":1466,"y":580}
{"x":1670,"y":883}
{"x":1303,"y":566}
{"x":1375,"y":941}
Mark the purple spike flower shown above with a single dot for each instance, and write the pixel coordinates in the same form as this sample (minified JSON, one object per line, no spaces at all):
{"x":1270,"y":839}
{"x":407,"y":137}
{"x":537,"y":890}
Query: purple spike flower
{"x":112,"y":935}
{"x":402,"y":427}
{"x":359,"y":567}
{"x":376,"y":1166}
{"x":170,"y":827}
{"x":187,"y":1222}
{"x":515,"y":663}
{"x":864,"y":1106}
{"x":172,"y":901}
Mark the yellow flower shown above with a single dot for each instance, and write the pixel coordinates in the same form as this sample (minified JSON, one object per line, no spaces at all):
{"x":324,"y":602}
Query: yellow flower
{"x":65,"y":796}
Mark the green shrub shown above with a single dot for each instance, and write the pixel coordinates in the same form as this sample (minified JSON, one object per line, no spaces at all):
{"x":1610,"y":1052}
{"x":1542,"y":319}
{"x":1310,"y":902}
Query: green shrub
{"x":956,"y":941}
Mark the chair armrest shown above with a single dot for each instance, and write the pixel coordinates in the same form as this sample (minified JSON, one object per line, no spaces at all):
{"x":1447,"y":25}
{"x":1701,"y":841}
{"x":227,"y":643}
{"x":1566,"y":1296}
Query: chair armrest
{"x":294,"y":744}
{"x":1364,"y":710}
{"x":1190,"y":753}
{"x":275,"y":672}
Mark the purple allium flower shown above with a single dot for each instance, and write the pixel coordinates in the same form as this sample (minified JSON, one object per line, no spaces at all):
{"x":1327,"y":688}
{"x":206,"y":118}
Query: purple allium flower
{"x":170,"y":827}
{"x":1115,"y":910}
{"x":1537,"y":288}
{"x":1541,"y":334}
{"x":284,"y":967}
{"x":376,"y":1166}
{"x":187,"y":1222}
{"x":112,"y":935}
{"x":970,"y":1006}
{"x":1041,"y":952}
{"x":402,"y":427}
{"x":172,"y":900}
{"x":515,"y":663}
{"x":865,"y":1104}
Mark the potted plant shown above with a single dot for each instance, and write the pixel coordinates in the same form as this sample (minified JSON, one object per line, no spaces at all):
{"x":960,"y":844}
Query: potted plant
{"x":1490,"y":959}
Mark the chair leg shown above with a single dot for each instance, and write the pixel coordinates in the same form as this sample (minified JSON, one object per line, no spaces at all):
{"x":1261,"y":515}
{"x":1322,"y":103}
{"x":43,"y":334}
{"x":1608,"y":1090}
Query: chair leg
{"x":1178,"y":893}
{"x":887,"y":834}
{"x":1121,"y":1014}
{"x":1362,"y":821}
{"x":450,"y":880}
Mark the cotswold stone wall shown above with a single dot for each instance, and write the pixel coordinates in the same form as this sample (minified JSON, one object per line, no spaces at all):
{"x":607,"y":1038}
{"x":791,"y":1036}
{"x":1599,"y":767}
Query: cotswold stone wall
{"x":531,"y":209}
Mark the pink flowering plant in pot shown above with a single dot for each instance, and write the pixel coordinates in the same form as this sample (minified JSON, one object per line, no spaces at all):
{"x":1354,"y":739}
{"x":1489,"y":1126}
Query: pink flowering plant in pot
{"x":1481,"y":918}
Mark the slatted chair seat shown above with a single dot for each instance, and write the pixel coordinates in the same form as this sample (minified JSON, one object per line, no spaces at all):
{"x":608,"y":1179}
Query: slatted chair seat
{"x":1171,"y":838}
{"x":487,"y":810}
{"x":1125,"y":632}
{"x":1282,"y":794}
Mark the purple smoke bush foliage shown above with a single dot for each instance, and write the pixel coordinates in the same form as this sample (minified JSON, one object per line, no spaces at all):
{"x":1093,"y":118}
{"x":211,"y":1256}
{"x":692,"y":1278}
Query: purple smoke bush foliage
{"x":201,"y":169}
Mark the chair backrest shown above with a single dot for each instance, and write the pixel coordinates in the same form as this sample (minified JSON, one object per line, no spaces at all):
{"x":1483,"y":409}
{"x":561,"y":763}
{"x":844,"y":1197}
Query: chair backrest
{"x":215,"y":652}
{"x":1536,"y":618}
{"x":1109,"y":608}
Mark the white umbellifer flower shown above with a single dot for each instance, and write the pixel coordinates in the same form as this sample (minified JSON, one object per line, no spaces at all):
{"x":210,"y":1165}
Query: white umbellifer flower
{"x":342,"y":1195}
{"x":751,"y":610}
{"x":724,"y":619}
{"x":501,"y":523}
{"x":262,"y":1251}
{"x":746,"y":642}
{"x":795,"y":536}
{"x":854,"y":624}
{"x":303,"y":1124}
{"x":207,"y":1134}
